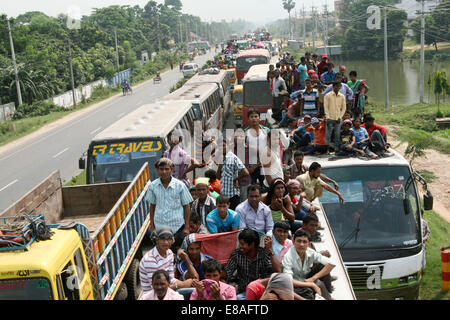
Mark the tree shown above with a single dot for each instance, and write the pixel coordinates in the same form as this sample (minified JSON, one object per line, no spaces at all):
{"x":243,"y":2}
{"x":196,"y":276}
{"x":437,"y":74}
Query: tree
{"x":288,"y":5}
{"x":360,"y":42}
{"x":175,"y":3}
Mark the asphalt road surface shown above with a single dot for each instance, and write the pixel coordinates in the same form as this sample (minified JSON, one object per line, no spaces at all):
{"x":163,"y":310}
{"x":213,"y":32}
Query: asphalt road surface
{"x":28,"y":164}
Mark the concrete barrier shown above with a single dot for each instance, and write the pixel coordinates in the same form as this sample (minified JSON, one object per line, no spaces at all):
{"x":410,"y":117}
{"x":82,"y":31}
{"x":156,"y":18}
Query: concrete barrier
{"x":6,"y":111}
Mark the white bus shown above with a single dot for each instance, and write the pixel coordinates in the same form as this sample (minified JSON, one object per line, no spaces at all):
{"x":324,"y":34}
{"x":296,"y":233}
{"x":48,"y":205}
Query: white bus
{"x":117,"y":153}
{"x":205,"y":99}
{"x":221,"y":79}
{"x":379,"y":227}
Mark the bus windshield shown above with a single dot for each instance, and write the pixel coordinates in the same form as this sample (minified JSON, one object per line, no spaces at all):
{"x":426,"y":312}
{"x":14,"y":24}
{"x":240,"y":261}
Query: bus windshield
{"x":245,"y":63}
{"x":380,"y":201}
{"x":25,"y":289}
{"x":120,"y":162}
{"x":257,"y":94}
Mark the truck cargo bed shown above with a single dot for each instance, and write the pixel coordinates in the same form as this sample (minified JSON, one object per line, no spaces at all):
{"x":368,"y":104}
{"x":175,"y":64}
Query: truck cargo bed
{"x":92,"y":222}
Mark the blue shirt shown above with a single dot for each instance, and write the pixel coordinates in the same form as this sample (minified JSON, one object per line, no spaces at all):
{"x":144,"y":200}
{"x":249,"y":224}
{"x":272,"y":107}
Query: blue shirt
{"x":360,"y":134}
{"x":345,"y":90}
{"x":182,"y":267}
{"x":169,"y":203}
{"x":217,"y":225}
{"x":302,"y":131}
{"x":261,"y":220}
{"x":310,"y":99}
{"x":329,"y":77}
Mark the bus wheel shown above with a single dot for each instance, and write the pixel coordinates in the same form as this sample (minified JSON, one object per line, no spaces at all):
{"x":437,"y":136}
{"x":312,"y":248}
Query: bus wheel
{"x":133,"y":281}
{"x":122,"y":293}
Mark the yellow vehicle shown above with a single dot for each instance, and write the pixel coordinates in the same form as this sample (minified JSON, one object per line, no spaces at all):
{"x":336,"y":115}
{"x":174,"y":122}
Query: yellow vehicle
{"x":233,"y":76}
{"x":238,"y":103}
{"x":94,"y":258}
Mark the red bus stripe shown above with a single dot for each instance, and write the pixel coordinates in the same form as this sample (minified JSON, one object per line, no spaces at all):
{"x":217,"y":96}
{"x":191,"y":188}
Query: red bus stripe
{"x":446,"y":276}
{"x":445,"y":256}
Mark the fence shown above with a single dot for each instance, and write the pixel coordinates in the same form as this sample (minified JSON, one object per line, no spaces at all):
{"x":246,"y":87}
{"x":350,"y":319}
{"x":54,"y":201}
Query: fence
{"x":66,"y":99}
{"x":6,"y":111}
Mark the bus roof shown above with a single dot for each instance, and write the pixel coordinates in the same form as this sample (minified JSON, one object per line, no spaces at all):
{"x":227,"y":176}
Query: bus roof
{"x":196,"y":93}
{"x":257,"y":73}
{"x":155,"y":120}
{"x":207,"y":78}
{"x":330,"y":161}
{"x":253,"y":53}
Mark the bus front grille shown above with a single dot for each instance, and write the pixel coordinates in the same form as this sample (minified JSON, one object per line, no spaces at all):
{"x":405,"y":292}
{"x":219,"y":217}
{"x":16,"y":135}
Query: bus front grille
{"x":359,"y":275}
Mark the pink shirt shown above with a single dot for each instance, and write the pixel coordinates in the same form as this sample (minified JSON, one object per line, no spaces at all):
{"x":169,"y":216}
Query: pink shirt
{"x":227,"y":292}
{"x":170,"y":295}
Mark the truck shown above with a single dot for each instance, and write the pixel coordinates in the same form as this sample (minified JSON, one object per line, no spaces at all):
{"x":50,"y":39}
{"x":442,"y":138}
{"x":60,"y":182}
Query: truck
{"x":94,"y":241}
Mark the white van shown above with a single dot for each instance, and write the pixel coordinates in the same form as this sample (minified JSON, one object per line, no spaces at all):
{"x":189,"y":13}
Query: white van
{"x":189,"y":68}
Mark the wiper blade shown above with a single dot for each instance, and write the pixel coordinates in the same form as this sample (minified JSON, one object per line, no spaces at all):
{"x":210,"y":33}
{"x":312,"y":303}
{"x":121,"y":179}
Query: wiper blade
{"x":354,"y":233}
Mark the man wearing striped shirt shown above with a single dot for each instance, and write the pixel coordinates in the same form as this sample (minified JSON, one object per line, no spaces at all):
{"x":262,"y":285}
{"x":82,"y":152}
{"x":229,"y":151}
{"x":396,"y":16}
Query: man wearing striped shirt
{"x":310,"y":100}
{"x":160,"y":258}
{"x":169,"y":200}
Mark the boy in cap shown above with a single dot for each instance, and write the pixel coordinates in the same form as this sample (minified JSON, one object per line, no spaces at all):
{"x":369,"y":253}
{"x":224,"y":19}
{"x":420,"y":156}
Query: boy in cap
{"x":160,"y":258}
{"x":348,"y":140}
{"x":204,"y":203}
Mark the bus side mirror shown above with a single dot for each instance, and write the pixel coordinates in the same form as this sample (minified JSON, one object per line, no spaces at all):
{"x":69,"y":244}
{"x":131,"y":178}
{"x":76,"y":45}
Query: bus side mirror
{"x":428,"y":201}
{"x":82,"y":164}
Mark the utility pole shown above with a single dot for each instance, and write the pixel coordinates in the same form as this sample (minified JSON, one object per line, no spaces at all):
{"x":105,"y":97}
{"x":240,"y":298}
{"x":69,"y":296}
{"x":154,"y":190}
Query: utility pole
{"x":71,"y":76}
{"x":117,"y":50}
{"x":13,"y":56}
{"x":422,"y":54}
{"x":326,"y":29}
{"x":304,"y":26}
{"x":313,"y":15}
{"x":386,"y":63}
{"x":159,"y":36}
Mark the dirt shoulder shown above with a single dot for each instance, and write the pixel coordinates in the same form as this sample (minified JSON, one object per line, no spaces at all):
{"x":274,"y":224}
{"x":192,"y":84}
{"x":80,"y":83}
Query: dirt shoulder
{"x":437,"y":163}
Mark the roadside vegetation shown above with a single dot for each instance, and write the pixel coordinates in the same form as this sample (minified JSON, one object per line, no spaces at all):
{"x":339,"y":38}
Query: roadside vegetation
{"x":431,"y":287}
{"x":416,"y":121}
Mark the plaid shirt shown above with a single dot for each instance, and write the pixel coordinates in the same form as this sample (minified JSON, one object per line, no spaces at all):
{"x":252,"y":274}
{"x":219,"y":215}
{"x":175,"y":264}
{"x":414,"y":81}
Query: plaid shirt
{"x":232,"y":165}
{"x":169,"y":203}
{"x":248,"y":270}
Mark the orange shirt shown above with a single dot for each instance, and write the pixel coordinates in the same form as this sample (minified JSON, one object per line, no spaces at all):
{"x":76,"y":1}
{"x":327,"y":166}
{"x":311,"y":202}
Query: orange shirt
{"x":215,"y":185}
{"x":319,"y":134}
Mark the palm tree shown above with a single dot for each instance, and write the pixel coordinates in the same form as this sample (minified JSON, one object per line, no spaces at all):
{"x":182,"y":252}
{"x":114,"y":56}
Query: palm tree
{"x":288,"y":5}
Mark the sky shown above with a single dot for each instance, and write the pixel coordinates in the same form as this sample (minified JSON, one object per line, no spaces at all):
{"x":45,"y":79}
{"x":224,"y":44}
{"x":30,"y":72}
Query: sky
{"x":258,"y":11}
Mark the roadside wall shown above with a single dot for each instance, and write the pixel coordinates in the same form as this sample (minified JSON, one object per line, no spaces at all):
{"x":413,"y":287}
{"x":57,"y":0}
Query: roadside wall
{"x":6,"y":111}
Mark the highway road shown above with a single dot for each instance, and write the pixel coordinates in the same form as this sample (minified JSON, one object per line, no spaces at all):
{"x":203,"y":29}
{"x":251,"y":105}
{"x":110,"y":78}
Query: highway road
{"x":27,"y":164}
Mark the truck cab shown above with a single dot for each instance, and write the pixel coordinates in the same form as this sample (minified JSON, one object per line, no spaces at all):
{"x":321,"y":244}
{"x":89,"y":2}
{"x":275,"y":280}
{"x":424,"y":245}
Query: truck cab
{"x":55,"y":269}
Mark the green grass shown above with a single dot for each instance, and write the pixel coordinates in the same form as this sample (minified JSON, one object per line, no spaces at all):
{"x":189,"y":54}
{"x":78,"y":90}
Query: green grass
{"x":27,"y":126}
{"x":416,"y":117}
{"x":79,"y":180}
{"x":430,"y":288}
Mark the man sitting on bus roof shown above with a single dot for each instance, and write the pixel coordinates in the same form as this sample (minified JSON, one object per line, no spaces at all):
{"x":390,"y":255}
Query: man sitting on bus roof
{"x":204,"y":203}
{"x":195,"y":224}
{"x":169,"y":199}
{"x":313,"y":185}
{"x":250,"y":262}
{"x":222,"y":219}
{"x":378,"y":136}
{"x":190,"y":259}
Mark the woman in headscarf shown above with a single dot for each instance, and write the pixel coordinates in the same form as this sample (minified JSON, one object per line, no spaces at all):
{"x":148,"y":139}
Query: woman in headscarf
{"x":280,"y":204}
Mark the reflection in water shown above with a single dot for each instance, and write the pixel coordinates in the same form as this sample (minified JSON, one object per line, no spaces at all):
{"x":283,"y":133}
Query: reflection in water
{"x":404,"y":81}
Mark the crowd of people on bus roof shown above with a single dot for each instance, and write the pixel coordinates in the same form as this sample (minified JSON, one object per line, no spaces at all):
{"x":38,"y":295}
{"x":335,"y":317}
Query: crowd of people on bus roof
{"x":324,"y":110}
{"x":269,"y":202}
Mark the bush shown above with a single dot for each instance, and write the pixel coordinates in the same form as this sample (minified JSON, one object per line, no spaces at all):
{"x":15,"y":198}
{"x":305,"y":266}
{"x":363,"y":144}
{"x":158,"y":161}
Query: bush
{"x":40,"y":108}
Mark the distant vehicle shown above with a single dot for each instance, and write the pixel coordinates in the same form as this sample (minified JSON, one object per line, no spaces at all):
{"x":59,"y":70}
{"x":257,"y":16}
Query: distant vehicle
{"x":248,"y":58}
{"x":189,"y":68}
{"x":238,"y":104}
{"x":199,"y":45}
{"x":257,"y":94}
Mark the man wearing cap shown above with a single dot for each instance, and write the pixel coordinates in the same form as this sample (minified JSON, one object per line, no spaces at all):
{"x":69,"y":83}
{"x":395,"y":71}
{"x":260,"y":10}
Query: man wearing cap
{"x":334,"y":107}
{"x":169,"y":199}
{"x":205,"y":203}
{"x":160,"y":258}
{"x":322,"y":64}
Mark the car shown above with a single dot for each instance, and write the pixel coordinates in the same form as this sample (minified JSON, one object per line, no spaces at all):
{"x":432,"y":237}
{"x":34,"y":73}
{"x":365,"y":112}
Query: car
{"x":189,"y":68}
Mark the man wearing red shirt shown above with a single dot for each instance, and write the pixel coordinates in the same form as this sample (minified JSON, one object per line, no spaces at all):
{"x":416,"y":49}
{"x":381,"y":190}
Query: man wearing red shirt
{"x":378,"y":136}
{"x":322,"y":64}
